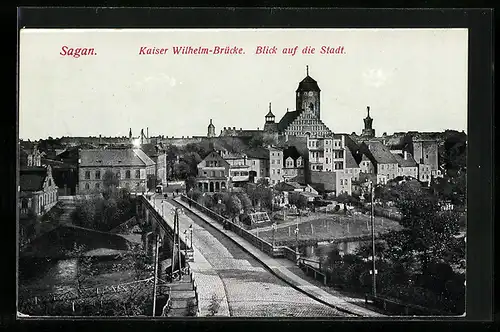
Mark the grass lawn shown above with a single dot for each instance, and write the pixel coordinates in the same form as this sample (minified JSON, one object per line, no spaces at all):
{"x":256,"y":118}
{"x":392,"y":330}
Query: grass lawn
{"x":322,"y":227}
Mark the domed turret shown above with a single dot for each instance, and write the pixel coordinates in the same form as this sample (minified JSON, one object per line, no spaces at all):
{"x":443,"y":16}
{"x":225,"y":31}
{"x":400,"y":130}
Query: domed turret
{"x":211,"y":129}
{"x":308,"y":95}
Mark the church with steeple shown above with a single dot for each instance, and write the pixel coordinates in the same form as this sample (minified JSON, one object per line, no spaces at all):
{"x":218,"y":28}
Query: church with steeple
{"x":304,"y":121}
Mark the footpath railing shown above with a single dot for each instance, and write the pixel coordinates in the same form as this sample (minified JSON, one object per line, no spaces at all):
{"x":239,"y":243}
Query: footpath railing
{"x":313,"y":268}
{"x":264,"y":246}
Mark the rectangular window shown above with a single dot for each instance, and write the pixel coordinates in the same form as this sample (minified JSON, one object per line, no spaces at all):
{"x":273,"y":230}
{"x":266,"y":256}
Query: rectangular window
{"x":272,"y":162}
{"x":278,"y":162}
{"x":274,"y":171}
{"x":278,"y":171}
{"x":97,"y":175}
{"x":87,"y":175}
{"x":127,"y":174}
{"x":137,"y":174}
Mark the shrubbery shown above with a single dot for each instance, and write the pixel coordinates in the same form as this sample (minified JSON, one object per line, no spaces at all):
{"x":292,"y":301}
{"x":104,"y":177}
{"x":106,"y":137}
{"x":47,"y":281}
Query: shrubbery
{"x":104,"y":212}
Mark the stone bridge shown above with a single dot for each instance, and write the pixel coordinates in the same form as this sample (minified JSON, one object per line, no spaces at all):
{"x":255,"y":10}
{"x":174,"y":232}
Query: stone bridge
{"x":161,"y":220}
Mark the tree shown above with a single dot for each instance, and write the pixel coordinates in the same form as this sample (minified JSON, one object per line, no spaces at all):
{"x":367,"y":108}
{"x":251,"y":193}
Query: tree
{"x":245,"y":202}
{"x":233,"y":206}
{"x":110,"y":180}
{"x":298,"y":200}
{"x":192,"y":159}
{"x":181,"y":170}
{"x":194,"y":194}
{"x":84,"y":268}
{"x":427,"y":231}
{"x":190,"y":183}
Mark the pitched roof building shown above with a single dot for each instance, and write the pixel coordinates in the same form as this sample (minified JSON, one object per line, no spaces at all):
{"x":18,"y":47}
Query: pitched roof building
{"x":37,"y":190}
{"x":130,"y":166}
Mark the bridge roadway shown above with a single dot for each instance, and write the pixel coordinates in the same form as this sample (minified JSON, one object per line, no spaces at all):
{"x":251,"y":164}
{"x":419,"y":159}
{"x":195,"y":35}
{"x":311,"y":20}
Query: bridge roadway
{"x":248,"y":289}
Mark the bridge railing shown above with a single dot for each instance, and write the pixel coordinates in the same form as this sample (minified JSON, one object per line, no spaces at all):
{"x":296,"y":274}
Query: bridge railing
{"x":268,"y":248}
{"x":163,"y":222}
{"x":313,"y":268}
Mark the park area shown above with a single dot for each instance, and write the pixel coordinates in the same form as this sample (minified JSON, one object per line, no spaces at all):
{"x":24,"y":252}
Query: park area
{"x":319,"y":226}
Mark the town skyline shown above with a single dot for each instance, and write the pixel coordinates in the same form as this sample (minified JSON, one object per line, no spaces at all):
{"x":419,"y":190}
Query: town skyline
{"x":411,"y":82}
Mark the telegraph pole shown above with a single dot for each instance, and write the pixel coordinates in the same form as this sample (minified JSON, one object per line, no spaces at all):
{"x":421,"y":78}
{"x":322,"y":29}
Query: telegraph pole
{"x":179,"y":244}
{"x":374,"y":272}
{"x":156,"y":275}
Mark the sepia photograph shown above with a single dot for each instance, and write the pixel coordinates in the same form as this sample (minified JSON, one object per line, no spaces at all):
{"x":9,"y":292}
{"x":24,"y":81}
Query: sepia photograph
{"x":239,"y":173}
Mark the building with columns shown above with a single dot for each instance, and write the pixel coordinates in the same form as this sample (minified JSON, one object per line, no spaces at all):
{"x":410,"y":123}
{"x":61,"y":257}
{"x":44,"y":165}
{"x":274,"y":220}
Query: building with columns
{"x":213,"y":174}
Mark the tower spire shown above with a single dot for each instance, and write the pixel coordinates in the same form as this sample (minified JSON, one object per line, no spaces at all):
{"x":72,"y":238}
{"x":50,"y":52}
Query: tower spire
{"x":368,"y":110}
{"x":307,"y":70}
{"x":269,"y":106}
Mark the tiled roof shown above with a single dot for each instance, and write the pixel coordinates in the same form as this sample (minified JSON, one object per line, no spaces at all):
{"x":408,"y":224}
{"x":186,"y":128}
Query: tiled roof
{"x":150,"y":149}
{"x":257,"y":153}
{"x":144,"y":157}
{"x":114,"y":157}
{"x":350,"y":159}
{"x":308,"y":84}
{"x":299,"y":143}
{"x":287,"y":119}
{"x":213,"y":156}
{"x":299,"y":179}
{"x":233,"y":155}
{"x":409,"y":162}
{"x":327,"y":179}
{"x":291,"y":151}
{"x":32,"y":178}
{"x":380,"y":153}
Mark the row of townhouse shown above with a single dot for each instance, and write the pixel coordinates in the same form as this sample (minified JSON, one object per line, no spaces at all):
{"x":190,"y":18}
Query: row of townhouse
{"x":328,"y":164}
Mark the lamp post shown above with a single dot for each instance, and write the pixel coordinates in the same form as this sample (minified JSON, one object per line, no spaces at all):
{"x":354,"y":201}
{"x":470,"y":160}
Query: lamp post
{"x":296,"y":240}
{"x":374,"y":271}
{"x":176,"y":242}
{"x":185,"y":244}
{"x":157,"y":240}
{"x":191,"y":236}
{"x":274,"y":233}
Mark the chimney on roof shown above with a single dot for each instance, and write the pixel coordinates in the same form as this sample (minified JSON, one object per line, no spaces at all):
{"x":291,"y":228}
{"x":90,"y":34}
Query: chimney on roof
{"x":406,"y":155}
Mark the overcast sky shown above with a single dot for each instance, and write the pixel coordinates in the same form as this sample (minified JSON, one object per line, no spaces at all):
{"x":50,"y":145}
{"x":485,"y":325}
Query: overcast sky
{"x":411,"y":79}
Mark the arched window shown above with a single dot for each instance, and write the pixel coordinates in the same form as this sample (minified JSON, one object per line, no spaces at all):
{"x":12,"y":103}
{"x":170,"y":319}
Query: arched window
{"x":127,"y":174}
{"x":87,"y":186}
{"x":97,"y":185}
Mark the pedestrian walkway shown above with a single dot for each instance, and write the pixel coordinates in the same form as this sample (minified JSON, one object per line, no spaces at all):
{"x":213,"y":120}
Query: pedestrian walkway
{"x":212,"y":289}
{"x":283,"y":269}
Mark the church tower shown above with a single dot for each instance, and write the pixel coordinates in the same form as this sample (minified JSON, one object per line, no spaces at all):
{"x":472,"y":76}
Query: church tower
{"x":211,"y":129}
{"x":368,"y":131}
{"x":308,"y":95}
{"x":270,"y":125}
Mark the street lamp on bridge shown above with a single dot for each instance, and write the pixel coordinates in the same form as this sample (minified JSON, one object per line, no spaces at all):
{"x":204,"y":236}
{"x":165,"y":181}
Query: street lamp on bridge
{"x":274,"y":233}
{"x":155,"y":281}
{"x":191,"y":235}
{"x":176,"y":249}
{"x":373,"y":272}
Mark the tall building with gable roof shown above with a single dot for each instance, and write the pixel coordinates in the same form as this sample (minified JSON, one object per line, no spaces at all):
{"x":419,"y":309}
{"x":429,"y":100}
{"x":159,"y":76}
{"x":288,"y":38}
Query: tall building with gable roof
{"x":131,"y":167}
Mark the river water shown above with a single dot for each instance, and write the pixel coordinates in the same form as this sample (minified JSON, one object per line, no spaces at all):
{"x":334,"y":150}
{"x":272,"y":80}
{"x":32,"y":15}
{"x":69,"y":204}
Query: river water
{"x":41,"y":277}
